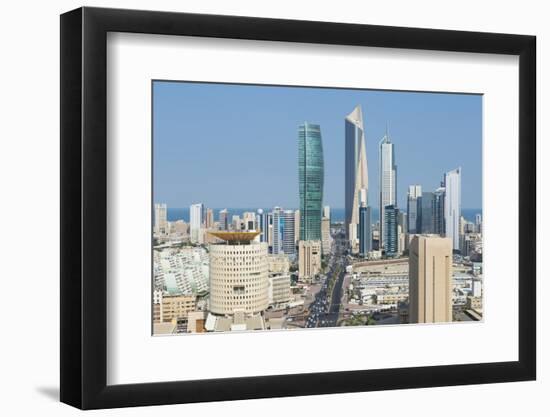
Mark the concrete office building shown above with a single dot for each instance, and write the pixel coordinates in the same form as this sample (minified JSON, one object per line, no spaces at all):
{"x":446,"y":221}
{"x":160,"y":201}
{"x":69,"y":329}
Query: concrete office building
{"x":391,"y":237}
{"x":249,"y":221}
{"x":289,"y":242}
{"x":414,"y":199}
{"x":209,"y":220}
{"x":326,"y":240}
{"x":161,"y":222}
{"x":479,"y":223}
{"x":238,"y":274}
{"x":311,"y":176}
{"x":196,"y":213}
{"x":430,"y":279}
{"x":326,"y":212}
{"x":260,"y":224}
{"x":236,"y":223}
{"x":356,"y":174}
{"x":224,"y":219}
{"x":388,"y":181}
{"x":309,"y":256}
{"x":278,"y":264}
{"x":365,"y":230}
{"x":452,"y":206}
{"x":279,"y":290}
{"x":168,"y":307}
{"x":277,"y":230}
{"x":267,"y":228}
{"x":438,"y":211}
{"x":427,"y":213}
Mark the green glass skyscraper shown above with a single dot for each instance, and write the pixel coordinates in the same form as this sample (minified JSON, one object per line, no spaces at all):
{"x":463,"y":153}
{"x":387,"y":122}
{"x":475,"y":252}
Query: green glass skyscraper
{"x":311,"y":176}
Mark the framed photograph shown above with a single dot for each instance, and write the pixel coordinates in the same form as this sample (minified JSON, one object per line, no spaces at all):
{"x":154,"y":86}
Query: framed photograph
{"x":258,"y":208}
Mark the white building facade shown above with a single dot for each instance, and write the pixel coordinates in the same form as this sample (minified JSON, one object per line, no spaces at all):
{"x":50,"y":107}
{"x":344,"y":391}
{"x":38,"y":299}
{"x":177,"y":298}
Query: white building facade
{"x":452,"y":207}
{"x":196,"y":212}
{"x":388,"y":178}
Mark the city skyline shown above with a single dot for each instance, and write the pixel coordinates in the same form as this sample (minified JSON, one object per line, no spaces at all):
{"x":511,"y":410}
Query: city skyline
{"x":303,"y":268}
{"x":177,"y":159}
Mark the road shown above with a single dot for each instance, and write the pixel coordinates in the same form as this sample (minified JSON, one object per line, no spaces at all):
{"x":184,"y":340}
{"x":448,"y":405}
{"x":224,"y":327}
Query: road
{"x":323,"y":313}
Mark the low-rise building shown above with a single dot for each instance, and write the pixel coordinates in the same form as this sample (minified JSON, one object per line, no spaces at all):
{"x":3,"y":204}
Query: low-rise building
{"x":278,"y":264}
{"x":279,"y":290}
{"x":171,"y":307}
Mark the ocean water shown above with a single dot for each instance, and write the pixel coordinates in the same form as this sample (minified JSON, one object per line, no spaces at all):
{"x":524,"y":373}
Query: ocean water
{"x":337,"y":214}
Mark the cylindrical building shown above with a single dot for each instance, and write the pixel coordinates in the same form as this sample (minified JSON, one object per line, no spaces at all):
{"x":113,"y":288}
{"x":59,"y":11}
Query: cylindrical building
{"x":238,"y":274}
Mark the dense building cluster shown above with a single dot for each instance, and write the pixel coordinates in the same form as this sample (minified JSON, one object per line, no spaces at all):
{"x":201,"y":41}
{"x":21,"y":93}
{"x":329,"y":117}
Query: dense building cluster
{"x":255,"y":269}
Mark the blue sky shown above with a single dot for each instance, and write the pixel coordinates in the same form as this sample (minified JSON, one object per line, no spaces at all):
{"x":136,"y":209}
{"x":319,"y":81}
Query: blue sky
{"x":236,"y":145}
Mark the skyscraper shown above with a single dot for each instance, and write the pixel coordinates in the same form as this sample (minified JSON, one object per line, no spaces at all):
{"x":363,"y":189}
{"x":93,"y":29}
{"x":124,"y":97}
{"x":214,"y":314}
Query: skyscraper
{"x":356,"y":173}
{"x":209,"y":221}
{"x":391,"y":237}
{"x":388,"y":179}
{"x":365,"y":232}
{"x":311,"y":180}
{"x":196,"y":212}
{"x":479,"y":223}
{"x":161,"y":223}
{"x":277,"y":230}
{"x":326,"y":212}
{"x":325,"y":232}
{"x":297,"y":226}
{"x":427,"y":213}
{"x":414,"y":198}
{"x":224,"y":219}
{"x":249,"y":220}
{"x":267,"y":228}
{"x":439,"y":211}
{"x":289,"y":242}
{"x":452,"y":206}
{"x":260,"y":224}
{"x":430,"y":279}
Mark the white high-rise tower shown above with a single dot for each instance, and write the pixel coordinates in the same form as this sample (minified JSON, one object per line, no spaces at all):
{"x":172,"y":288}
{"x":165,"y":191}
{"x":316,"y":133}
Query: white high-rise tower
{"x":356,"y":173}
{"x":196,"y":212}
{"x":388,"y":179}
{"x":452,"y":206}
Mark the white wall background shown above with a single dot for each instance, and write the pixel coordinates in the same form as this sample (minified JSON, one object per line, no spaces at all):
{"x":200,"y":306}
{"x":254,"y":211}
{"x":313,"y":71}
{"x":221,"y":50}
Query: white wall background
{"x":29,"y":172}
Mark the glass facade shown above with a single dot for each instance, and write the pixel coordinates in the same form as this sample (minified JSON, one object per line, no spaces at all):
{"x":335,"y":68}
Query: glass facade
{"x":427,"y":213}
{"x":311,"y":180}
{"x":391,"y":214}
{"x":365,"y":232}
{"x":439,"y":211}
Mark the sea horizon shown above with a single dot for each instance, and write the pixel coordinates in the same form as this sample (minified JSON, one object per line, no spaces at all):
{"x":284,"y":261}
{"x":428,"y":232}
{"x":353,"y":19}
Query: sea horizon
{"x":336,"y":214}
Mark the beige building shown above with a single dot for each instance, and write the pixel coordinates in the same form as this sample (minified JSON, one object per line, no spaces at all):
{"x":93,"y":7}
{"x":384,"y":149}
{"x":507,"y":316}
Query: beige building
{"x":180,"y":228}
{"x":430,"y":279}
{"x":278,"y":264}
{"x":238,"y":274}
{"x":171,"y":307}
{"x":161,"y":226}
{"x":279,"y":290}
{"x":325,"y":235}
{"x":196,"y":321}
{"x":309,"y":255}
{"x":209,"y":221}
{"x":249,"y":220}
{"x":474,"y":303}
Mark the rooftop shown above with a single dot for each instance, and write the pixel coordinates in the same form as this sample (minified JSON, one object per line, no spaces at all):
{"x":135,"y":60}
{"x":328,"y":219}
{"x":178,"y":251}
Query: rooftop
{"x":235,"y":237}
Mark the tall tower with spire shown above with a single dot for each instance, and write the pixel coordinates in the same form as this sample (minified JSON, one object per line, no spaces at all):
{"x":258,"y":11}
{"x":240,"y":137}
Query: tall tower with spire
{"x":388,"y":181}
{"x":356,"y":174}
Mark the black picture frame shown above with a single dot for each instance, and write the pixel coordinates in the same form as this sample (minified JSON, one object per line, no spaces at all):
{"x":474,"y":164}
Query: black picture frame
{"x":84,"y":207}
